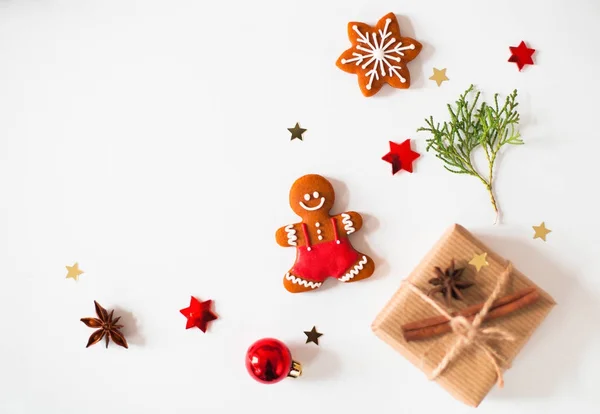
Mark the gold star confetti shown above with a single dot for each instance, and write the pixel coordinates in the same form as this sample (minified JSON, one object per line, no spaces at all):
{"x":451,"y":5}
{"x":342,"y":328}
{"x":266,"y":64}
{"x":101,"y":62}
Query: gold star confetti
{"x":439,"y":76}
{"x":479,"y":260}
{"x":541,"y":231}
{"x":73,"y":272}
{"x":313,"y":336}
{"x":297,"y":132}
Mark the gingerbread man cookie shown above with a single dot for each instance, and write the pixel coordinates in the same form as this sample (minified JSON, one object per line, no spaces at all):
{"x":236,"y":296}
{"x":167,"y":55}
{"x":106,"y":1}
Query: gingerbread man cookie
{"x":321,"y":241}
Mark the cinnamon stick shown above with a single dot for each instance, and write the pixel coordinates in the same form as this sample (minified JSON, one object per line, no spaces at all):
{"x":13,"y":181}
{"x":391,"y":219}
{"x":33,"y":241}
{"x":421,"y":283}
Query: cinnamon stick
{"x":431,"y":327}
{"x":471,"y":310}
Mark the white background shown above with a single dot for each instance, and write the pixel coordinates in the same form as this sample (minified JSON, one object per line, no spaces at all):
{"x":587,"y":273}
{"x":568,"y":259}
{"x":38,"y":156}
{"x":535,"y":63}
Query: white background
{"x":147,"y":141}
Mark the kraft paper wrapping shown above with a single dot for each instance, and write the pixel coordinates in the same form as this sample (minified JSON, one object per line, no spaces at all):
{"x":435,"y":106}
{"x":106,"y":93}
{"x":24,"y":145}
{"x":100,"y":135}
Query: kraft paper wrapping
{"x":471,"y":375}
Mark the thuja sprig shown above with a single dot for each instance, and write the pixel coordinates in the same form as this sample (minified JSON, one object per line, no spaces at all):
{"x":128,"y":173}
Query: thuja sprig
{"x":473,"y":125}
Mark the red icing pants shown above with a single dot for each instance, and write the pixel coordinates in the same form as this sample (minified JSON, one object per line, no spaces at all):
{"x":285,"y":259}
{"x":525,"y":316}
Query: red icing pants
{"x":329,"y":259}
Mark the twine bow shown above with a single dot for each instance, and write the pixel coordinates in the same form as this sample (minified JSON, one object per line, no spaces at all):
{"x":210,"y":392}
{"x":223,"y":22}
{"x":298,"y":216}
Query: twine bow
{"x":471,"y":333}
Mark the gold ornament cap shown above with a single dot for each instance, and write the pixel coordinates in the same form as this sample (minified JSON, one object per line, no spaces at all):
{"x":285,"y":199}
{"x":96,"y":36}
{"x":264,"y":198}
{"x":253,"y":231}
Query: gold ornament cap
{"x":295,"y":370}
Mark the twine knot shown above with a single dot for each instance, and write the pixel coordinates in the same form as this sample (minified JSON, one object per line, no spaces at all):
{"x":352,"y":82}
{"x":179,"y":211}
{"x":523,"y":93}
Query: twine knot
{"x":471,"y":333}
{"x":462,"y":327}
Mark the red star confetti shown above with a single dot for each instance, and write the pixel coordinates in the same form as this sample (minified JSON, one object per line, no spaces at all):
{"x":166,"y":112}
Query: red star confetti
{"x":521,"y":55}
{"x":401,"y":156}
{"x":198,"y":314}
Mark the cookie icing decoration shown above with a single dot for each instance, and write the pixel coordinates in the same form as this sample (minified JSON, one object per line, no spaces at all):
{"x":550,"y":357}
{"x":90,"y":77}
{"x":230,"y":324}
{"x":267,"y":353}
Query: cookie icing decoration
{"x":521,"y":55}
{"x":291,"y":235}
{"x":322,"y":246}
{"x":401,"y":156}
{"x":379,"y":55}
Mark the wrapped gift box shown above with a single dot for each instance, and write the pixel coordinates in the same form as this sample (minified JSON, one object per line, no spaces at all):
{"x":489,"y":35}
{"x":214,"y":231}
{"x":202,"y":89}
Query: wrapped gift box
{"x":470,"y":375}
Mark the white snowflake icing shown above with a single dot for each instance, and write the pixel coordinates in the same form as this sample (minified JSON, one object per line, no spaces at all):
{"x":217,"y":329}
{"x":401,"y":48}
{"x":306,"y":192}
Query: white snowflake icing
{"x":379,"y":54}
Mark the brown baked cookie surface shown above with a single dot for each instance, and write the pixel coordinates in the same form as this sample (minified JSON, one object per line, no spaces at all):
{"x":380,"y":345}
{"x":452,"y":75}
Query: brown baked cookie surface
{"x":379,"y":55}
{"x":321,"y":241}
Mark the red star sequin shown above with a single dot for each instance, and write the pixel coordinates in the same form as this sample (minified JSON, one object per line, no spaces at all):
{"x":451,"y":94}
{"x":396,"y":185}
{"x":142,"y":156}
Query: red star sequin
{"x":198,"y":314}
{"x":521,"y":55}
{"x":401,"y":156}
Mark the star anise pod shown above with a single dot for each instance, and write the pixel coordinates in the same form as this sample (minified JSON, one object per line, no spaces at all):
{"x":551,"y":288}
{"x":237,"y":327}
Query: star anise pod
{"x":108,"y":327}
{"x":449,"y":283}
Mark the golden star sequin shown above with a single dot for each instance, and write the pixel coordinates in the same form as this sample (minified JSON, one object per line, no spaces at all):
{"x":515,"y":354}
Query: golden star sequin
{"x":541,"y":231}
{"x":479,"y":260}
{"x":297,"y":132}
{"x":439,"y":76}
{"x":73,"y":272}
{"x":313,"y":336}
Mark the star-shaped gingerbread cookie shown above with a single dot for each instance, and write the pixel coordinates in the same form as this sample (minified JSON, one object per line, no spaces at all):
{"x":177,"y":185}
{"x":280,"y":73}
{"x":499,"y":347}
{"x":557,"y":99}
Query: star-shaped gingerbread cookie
{"x":379,"y":55}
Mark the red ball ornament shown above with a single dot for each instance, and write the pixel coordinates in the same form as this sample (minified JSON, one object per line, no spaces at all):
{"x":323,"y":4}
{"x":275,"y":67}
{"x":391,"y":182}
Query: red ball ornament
{"x":268,"y":361}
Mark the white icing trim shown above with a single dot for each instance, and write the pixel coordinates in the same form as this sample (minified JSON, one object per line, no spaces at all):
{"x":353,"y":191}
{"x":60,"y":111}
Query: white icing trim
{"x":355,"y":270}
{"x":305,"y":207}
{"x":319,"y":231}
{"x":291,"y":235}
{"x":320,"y":237}
{"x":299,"y":281}
{"x":348,"y":224}
{"x":317,"y":224}
{"x":378,"y":54}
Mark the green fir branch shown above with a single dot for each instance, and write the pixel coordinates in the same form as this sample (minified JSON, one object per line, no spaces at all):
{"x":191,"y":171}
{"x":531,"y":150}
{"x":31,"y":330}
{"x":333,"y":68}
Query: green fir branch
{"x":473,"y":125}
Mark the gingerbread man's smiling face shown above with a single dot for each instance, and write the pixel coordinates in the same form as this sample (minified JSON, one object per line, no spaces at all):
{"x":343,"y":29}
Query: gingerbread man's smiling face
{"x":311,"y":194}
